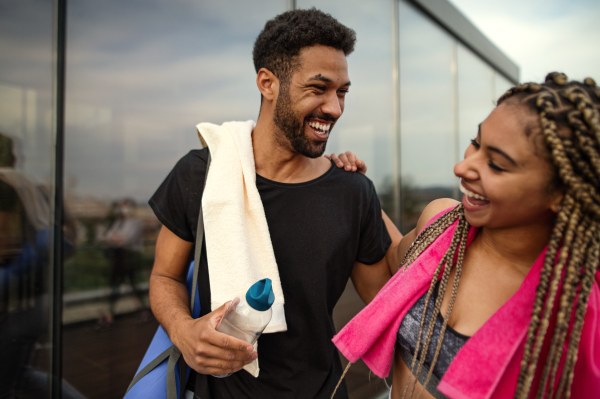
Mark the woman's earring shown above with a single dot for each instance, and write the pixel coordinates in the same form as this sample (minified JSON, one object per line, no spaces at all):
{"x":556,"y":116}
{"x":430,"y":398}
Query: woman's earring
{"x":558,"y":208}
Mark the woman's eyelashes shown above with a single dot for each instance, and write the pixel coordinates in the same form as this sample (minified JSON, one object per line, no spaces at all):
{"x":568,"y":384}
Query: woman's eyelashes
{"x":491,"y":164}
{"x":495,"y":167}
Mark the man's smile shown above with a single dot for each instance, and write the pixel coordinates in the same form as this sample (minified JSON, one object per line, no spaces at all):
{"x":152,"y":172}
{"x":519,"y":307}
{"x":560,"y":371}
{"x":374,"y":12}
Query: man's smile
{"x":320,"y":128}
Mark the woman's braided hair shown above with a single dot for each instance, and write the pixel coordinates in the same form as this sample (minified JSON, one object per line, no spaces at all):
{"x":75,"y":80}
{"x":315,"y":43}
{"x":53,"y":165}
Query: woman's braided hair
{"x":569,"y":121}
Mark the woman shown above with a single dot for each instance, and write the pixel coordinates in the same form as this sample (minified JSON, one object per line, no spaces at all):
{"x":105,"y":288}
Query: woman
{"x":503,"y":288}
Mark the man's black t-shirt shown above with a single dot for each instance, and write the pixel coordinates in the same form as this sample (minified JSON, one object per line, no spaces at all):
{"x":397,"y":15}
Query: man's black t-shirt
{"x":318,"y":229}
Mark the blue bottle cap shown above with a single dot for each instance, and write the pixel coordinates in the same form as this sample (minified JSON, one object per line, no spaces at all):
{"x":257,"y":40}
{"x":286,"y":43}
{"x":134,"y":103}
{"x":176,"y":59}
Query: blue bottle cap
{"x":260,"y":296}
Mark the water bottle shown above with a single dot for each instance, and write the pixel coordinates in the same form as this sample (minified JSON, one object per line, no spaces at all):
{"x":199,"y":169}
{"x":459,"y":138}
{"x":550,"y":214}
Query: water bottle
{"x":247,"y":319}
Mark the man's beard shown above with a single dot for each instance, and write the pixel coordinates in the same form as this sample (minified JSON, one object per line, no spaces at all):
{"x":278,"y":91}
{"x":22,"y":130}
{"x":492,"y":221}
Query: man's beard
{"x":293,"y":130}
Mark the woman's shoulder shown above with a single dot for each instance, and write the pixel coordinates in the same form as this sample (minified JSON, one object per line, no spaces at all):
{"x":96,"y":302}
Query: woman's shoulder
{"x":434,"y":210}
{"x":431,"y":212}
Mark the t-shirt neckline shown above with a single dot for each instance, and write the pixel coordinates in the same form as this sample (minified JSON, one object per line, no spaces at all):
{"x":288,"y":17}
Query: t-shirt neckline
{"x":295,"y":185}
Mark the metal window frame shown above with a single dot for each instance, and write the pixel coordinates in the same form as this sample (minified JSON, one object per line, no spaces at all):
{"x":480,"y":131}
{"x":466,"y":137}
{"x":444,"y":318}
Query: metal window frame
{"x":55,"y":282}
{"x":453,"y":21}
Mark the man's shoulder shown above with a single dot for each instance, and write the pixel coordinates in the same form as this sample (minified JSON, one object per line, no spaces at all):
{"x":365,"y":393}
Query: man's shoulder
{"x":351,"y":180}
{"x":194,"y":159}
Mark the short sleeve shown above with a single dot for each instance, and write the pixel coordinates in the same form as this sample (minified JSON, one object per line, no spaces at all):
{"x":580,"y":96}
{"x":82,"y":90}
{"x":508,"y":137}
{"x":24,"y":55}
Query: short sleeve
{"x":177,"y":200}
{"x":374,"y":237}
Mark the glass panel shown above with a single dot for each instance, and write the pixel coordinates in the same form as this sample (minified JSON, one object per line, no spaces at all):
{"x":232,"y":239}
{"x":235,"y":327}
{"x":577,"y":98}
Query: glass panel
{"x":26,"y":112}
{"x":501,"y":85}
{"x":426,"y":113}
{"x":366,"y":128}
{"x":475,"y":96}
{"x":140,"y":77}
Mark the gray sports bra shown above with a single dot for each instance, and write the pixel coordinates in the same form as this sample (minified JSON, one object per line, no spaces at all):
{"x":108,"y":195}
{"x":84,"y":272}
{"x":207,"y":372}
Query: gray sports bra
{"x":406,"y":343}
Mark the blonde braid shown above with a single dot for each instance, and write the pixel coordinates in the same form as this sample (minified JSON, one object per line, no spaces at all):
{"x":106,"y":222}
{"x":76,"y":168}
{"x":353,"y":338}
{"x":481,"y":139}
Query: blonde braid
{"x":459,"y":264}
{"x":423,"y":240}
{"x":569,"y":276}
{"x":447,"y":261}
{"x":560,"y":226}
{"x":571,"y":282}
{"x":564,"y":389}
{"x":540,"y":334}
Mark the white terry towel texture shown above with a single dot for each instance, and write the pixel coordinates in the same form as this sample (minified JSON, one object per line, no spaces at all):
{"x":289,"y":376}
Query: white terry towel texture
{"x":238,"y":244}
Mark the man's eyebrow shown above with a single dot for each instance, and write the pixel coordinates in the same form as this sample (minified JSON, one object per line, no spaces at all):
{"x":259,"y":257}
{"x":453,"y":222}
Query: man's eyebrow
{"x":496,"y":149}
{"x":325,"y":79}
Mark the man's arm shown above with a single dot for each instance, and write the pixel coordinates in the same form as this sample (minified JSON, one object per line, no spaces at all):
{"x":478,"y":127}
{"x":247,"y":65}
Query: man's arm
{"x":203,"y":348}
{"x":369,"y":279}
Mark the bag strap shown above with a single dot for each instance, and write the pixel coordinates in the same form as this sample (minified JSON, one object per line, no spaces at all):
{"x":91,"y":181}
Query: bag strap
{"x":199,"y":238}
{"x":172,"y":352}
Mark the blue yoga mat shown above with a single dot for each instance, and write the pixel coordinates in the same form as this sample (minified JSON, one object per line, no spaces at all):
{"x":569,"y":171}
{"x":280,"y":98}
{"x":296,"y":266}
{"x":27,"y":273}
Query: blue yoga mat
{"x":154,"y":384}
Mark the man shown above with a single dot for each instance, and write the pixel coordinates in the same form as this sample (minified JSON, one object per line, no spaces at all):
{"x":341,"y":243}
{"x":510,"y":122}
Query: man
{"x":325,"y":224}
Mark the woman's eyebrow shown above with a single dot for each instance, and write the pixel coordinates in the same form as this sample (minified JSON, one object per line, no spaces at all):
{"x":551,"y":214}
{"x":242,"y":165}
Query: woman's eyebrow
{"x":496,"y":149}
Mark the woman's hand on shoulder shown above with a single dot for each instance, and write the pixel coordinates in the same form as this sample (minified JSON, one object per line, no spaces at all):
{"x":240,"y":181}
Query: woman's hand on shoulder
{"x":432,"y":209}
{"x":349,"y":161}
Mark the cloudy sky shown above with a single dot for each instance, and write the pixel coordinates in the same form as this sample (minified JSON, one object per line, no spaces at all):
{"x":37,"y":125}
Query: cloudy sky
{"x":142,"y":73}
{"x":542,"y":35}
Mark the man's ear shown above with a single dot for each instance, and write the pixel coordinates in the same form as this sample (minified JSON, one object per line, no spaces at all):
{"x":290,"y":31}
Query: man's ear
{"x":268,"y":84}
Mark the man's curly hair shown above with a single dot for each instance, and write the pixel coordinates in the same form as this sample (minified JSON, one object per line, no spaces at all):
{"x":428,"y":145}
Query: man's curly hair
{"x":278,"y":45}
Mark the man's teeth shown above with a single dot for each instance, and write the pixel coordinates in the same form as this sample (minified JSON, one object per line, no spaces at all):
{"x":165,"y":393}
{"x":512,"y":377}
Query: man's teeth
{"x":472,"y":194}
{"x":324,"y":127}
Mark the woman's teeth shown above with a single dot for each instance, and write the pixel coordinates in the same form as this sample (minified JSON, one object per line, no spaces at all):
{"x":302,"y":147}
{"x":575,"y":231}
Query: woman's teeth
{"x":472,"y":194}
{"x":323,"y":127}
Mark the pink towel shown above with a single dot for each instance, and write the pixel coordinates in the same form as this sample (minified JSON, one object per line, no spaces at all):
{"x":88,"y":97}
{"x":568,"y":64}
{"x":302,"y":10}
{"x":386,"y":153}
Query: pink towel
{"x":488,"y":364}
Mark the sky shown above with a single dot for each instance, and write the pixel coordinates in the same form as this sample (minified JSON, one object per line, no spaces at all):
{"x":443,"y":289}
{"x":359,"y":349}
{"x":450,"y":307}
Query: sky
{"x":142,"y":73}
{"x":541,"y":36}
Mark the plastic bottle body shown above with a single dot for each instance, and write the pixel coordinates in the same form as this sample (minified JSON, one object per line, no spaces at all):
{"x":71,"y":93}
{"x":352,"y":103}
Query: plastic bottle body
{"x":247,"y":318}
{"x":244,"y":322}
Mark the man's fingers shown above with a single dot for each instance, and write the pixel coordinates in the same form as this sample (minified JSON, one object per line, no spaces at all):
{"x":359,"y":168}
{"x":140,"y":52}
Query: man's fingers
{"x":337,"y":160}
{"x":227,"y":357}
{"x":352,"y":161}
{"x":362,"y":166}
{"x":225,"y":341}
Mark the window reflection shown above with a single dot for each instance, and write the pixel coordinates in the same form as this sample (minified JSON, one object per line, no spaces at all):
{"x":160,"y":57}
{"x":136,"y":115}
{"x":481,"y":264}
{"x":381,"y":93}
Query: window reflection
{"x":426,"y":113}
{"x":26,"y":169}
{"x":475,"y":96}
{"x":139,"y":79}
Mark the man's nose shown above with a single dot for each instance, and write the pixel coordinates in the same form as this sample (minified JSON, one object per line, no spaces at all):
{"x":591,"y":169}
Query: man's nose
{"x":333,"y":106}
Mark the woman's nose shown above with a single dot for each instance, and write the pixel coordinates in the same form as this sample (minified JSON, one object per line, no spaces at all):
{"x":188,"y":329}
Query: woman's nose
{"x":467,"y":168}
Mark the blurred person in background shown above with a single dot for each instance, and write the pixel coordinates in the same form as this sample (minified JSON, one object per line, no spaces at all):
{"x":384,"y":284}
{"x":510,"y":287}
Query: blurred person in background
{"x":24,"y":238}
{"x":123,"y":246}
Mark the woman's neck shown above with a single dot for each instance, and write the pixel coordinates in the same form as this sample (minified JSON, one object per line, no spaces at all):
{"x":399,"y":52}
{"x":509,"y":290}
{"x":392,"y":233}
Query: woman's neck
{"x":518,"y":247}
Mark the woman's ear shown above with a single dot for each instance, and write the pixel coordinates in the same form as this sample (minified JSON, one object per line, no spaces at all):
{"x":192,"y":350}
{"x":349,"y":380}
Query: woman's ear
{"x":268,"y":84}
{"x":556,"y":203}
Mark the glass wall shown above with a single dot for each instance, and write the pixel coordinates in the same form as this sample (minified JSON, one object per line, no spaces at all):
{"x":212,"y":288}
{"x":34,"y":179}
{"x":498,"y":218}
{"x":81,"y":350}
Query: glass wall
{"x":140,"y":77}
{"x":446,"y":90}
{"x":26,"y":176}
{"x":427,"y":102}
{"x":475,"y":96}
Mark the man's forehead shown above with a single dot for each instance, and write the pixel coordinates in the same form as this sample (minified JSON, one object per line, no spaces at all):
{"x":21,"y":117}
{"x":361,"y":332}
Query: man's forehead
{"x":323,"y":64}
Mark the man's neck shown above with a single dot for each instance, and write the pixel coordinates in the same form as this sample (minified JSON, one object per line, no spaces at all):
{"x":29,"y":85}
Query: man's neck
{"x":276,"y":162}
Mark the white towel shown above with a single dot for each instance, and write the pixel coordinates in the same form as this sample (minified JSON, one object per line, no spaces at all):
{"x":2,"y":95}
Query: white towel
{"x":238,"y":243}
